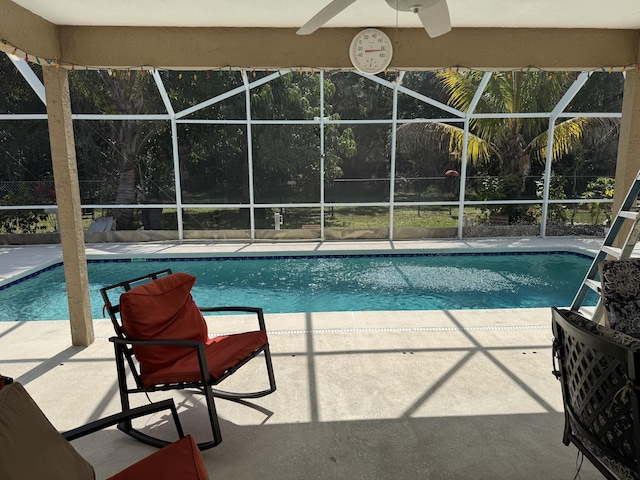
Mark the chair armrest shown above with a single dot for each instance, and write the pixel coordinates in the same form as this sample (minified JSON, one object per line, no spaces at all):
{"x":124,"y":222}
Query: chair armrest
{"x":231,"y":309}
{"x":111,"y":420}
{"x":164,"y":341}
{"x":257,"y":310}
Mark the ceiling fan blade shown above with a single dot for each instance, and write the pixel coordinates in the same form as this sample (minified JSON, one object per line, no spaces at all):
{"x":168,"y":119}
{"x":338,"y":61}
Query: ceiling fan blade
{"x":435,"y":18}
{"x":323,"y":16}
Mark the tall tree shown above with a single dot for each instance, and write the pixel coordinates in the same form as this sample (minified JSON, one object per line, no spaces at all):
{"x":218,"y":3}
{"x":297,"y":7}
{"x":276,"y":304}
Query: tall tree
{"x":125,"y":140}
{"x":358,"y":98}
{"x":288,"y":156}
{"x":25,"y":153}
{"x":514,"y":143}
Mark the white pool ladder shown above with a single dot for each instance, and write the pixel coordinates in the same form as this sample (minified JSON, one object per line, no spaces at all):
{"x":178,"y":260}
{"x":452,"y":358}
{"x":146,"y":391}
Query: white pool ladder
{"x":627,"y":216}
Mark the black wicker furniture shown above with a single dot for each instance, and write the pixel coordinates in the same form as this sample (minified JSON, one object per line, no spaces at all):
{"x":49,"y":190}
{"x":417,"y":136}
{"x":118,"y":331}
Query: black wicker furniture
{"x":598,"y":369}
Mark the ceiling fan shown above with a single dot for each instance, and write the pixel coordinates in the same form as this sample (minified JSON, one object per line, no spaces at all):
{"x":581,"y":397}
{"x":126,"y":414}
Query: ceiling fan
{"x":433,"y":14}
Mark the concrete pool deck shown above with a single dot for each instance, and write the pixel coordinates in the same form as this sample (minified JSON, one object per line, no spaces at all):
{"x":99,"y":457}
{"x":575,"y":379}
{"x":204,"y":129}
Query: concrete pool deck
{"x":464,"y":394}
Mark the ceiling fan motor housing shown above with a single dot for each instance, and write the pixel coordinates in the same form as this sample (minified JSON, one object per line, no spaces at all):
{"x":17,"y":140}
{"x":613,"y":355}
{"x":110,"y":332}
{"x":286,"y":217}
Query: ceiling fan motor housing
{"x":410,"y":5}
{"x":433,"y":14}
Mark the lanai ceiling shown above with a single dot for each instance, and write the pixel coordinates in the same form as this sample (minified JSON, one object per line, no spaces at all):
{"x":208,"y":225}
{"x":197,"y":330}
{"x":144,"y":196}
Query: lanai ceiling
{"x":613,"y":14}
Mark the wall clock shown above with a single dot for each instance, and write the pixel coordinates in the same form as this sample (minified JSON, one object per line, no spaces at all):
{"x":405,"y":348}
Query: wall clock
{"x":371,"y":51}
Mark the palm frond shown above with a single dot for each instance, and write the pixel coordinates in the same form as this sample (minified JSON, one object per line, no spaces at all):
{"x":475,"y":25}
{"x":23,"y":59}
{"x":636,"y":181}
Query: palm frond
{"x":461,"y":87}
{"x":571,"y":133}
{"x":436,"y":136}
{"x":567,"y":135}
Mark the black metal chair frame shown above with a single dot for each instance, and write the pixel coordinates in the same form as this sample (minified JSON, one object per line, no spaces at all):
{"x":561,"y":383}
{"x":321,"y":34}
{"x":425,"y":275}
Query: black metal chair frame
{"x":125,"y":416}
{"x":117,"y":418}
{"x":600,"y":387}
{"x":125,"y":357}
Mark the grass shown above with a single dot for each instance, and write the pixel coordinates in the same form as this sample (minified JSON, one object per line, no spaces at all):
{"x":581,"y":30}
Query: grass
{"x":335,"y":217}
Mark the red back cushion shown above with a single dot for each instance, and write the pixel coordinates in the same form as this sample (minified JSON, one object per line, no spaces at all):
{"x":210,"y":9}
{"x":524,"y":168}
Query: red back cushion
{"x":162,"y":309}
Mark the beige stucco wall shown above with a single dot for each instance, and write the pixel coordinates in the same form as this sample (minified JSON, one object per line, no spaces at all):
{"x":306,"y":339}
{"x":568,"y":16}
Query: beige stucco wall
{"x":629,"y":144}
{"x":498,"y":49}
{"x":31,"y":33}
{"x":65,"y":171}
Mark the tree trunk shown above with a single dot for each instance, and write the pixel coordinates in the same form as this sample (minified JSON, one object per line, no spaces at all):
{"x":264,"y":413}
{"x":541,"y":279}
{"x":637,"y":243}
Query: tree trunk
{"x":128,"y":136}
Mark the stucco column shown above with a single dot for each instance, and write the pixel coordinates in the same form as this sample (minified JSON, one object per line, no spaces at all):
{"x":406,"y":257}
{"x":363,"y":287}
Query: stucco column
{"x":65,"y":173}
{"x":628,"y":162}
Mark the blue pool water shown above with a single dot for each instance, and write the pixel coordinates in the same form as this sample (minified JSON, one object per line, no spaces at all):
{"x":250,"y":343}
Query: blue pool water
{"x":328,"y":283}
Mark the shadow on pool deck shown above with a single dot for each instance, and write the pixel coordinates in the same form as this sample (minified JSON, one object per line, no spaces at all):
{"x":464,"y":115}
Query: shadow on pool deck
{"x":362,"y":395}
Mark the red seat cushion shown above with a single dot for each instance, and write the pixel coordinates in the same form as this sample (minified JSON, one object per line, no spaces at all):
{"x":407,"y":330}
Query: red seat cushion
{"x":162,"y":309}
{"x":180,"y":460}
{"x":223,"y":353}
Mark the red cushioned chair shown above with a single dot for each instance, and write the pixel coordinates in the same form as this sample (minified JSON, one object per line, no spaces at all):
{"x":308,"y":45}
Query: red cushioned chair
{"x":31,"y":448}
{"x":160,"y":329}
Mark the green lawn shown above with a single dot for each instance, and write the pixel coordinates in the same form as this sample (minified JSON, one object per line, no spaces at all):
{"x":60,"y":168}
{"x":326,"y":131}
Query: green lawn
{"x":336,"y":217}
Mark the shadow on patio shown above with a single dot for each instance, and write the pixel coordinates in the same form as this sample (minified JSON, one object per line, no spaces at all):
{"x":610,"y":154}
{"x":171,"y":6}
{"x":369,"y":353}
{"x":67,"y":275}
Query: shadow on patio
{"x":376,"y":395}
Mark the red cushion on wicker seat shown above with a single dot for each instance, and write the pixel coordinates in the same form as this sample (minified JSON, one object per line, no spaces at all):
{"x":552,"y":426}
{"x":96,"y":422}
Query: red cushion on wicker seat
{"x":180,"y":460}
{"x":223,"y":353}
{"x":162,"y":309}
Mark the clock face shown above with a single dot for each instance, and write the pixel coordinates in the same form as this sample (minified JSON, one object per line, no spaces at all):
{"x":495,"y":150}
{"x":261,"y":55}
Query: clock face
{"x":371,"y":51}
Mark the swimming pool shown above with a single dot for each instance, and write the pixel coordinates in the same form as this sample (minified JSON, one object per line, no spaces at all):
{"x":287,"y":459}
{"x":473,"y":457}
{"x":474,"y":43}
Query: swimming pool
{"x":319,"y":283}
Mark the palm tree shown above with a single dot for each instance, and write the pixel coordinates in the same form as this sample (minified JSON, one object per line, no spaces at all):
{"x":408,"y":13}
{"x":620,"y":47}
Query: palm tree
{"x":513,"y":142}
